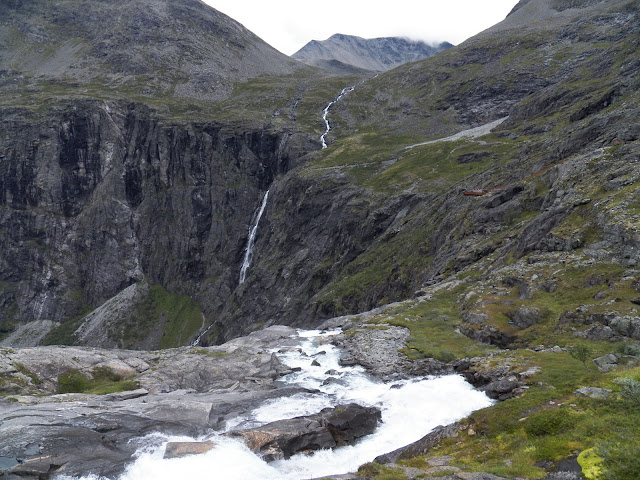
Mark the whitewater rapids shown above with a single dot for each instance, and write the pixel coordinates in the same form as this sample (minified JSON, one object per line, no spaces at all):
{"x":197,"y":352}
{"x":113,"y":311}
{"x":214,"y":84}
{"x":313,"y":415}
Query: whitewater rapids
{"x":410,"y":410}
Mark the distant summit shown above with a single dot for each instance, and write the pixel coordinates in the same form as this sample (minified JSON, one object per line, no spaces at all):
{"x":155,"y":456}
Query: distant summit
{"x":348,"y":53}
{"x":178,"y":48}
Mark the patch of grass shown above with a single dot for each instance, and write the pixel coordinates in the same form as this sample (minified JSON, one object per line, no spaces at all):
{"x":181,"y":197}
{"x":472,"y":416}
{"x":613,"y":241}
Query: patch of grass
{"x":591,"y":464}
{"x":26,"y":371}
{"x":64,"y":334}
{"x":207,"y":353}
{"x":375,"y":471}
{"x":178,"y":317}
{"x":433,"y":324}
{"x":100,"y":381}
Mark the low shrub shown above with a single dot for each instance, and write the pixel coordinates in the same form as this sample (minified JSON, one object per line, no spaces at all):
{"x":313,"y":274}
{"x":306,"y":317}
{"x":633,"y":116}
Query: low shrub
{"x":547,"y":422}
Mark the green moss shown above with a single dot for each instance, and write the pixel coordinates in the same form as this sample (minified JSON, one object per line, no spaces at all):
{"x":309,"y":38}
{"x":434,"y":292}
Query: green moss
{"x":64,"y":334}
{"x":178,"y":317}
{"x":591,"y":464}
{"x":26,"y":371}
{"x":100,"y":381}
{"x":375,"y":471}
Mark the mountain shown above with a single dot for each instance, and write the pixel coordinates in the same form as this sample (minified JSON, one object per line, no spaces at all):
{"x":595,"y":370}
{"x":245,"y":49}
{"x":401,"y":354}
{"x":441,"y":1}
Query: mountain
{"x":477,"y":211}
{"x":343,"y":52}
{"x":141,"y":205}
{"x":125,"y":45}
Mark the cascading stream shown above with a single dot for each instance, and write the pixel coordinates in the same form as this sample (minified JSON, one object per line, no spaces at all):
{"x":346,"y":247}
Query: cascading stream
{"x":325,"y":113}
{"x":248,"y":254}
{"x":410,"y":409}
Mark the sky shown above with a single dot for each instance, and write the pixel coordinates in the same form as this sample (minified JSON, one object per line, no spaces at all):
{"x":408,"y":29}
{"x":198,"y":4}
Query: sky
{"x":289,"y":24}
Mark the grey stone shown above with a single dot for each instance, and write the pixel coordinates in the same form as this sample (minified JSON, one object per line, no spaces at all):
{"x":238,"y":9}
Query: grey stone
{"x":607,"y":362}
{"x":474,"y":318}
{"x":594,"y":392}
{"x":422,"y":446}
{"x":330,"y":428}
{"x":526,"y":317}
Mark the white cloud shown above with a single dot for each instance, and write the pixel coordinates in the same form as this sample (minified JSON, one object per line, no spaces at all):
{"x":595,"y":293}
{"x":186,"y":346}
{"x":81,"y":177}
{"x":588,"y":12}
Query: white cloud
{"x":288,"y":24}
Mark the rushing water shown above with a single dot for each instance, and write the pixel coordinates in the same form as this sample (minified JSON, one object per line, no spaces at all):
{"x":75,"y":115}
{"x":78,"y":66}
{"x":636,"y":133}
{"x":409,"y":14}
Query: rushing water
{"x":325,"y":114}
{"x":410,"y":410}
{"x":248,"y":254}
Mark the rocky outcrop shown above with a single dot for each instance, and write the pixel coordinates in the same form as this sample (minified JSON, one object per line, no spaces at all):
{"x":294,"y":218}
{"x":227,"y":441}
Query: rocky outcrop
{"x":186,"y":392}
{"x":422,"y":446}
{"x":332,"y":427}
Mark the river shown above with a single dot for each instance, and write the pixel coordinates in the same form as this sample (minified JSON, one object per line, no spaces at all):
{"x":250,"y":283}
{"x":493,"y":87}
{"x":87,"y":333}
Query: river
{"x":410,"y":410}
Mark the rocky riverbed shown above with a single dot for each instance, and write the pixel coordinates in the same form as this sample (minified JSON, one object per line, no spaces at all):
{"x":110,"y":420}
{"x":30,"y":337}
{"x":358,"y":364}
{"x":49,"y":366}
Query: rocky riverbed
{"x":190,"y":392}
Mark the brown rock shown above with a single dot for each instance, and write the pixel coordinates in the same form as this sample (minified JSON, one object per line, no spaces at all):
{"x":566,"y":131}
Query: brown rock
{"x":184,"y":449}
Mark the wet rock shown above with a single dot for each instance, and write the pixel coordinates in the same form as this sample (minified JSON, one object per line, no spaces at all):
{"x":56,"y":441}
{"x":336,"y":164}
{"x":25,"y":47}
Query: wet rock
{"x":422,"y":446}
{"x":184,"y":449}
{"x":332,"y":427}
{"x":233,"y":405}
{"x":376,"y":349}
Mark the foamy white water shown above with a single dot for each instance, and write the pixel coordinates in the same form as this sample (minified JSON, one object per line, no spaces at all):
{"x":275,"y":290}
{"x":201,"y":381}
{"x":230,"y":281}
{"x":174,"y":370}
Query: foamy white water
{"x":325,"y":114}
{"x":410,"y":410}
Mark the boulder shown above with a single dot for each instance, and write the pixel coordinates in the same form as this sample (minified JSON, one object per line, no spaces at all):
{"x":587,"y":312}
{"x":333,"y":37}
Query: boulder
{"x":474,"y":318}
{"x":627,"y":326}
{"x":422,"y":446}
{"x":526,"y":317}
{"x":607,"y":362}
{"x":488,"y":334}
{"x":332,"y":427}
{"x":593,"y":392}
{"x":184,"y":449}
{"x":597,"y":332}
{"x":501,"y":389}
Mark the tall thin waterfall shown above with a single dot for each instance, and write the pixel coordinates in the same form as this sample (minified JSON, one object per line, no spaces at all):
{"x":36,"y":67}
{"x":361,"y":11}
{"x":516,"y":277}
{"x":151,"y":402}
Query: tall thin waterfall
{"x":248,"y":254}
{"x":325,"y":113}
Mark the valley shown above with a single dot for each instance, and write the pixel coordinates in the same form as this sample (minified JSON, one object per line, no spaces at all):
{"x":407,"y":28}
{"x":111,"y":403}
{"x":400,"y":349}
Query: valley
{"x":153,"y":212}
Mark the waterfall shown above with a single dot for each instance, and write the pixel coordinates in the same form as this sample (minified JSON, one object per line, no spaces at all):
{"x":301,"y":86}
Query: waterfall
{"x":248,"y":254}
{"x":196,"y":342}
{"x":325,"y":113}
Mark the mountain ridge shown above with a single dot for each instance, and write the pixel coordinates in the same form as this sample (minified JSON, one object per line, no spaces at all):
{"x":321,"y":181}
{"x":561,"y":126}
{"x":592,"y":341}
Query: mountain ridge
{"x":123,"y":44}
{"x":375,"y":54}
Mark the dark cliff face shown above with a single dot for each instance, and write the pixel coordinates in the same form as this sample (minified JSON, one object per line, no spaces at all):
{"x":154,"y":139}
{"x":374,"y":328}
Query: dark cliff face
{"x":103,"y":195}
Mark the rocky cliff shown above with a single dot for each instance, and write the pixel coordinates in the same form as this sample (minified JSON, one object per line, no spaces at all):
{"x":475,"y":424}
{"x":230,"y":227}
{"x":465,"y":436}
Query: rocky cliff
{"x":343,"y":53}
{"x":141,"y":209}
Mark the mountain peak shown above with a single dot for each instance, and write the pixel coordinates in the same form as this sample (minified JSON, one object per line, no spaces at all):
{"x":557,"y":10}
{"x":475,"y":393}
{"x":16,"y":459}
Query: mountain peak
{"x":124,"y":43}
{"x":375,"y":54}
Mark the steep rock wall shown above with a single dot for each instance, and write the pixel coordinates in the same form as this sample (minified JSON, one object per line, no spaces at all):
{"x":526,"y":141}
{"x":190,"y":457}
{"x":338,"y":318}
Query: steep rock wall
{"x":97,"y":196}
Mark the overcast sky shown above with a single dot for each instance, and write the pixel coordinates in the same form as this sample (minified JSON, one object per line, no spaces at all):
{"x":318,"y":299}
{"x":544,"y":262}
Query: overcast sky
{"x":289,"y":24}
